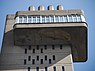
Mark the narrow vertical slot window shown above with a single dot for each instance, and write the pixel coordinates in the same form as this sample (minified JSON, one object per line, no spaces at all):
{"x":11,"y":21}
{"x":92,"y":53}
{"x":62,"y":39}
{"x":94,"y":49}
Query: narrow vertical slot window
{"x":37,"y":58}
{"x":25,"y":51}
{"x":54,"y":68}
{"x":28,"y":68}
{"x":29,"y":58}
{"x":24,"y":61}
{"x":33,"y":50}
{"x":37,"y":68}
{"x":33,"y":61}
{"x":63,"y":68}
{"x":41,"y":50}
{"x":46,"y":69}
{"x":45,"y":57}
{"x":53,"y":57}
{"x":41,"y":61}
{"x":49,"y":61}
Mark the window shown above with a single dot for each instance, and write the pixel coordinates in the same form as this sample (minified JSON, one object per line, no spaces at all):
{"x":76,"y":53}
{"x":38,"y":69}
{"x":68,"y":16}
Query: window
{"x":34,"y":19}
{"x":24,"y":19}
{"x":53,"y":57}
{"x":41,"y":61}
{"x":63,"y":68}
{"x":47,"y":19}
{"x":53,"y":47}
{"x":49,"y":61}
{"x":74,"y":18}
{"x":37,"y":47}
{"x":70,"y":18}
{"x":29,"y":47}
{"x":20,"y":19}
{"x":37,"y":58}
{"x":43,"y":19}
{"x":28,"y":68}
{"x":60,"y":46}
{"x":33,"y":61}
{"x":46,"y":69}
{"x":33,"y":50}
{"x":78,"y":18}
{"x":29,"y":58}
{"x":54,"y":68}
{"x":61,"y":19}
{"x":56,"y":19}
{"x":41,"y":50}
{"x":37,"y":68}
{"x":65,"y":19}
{"x":45,"y":47}
{"x":38,"y":19}
{"x":24,"y":61}
{"x":45,"y":57}
{"x":51,"y":19}
{"x":25,"y":51}
{"x":29,"y":19}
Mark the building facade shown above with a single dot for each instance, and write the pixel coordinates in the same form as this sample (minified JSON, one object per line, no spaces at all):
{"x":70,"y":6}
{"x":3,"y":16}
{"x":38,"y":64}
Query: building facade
{"x":44,"y":40}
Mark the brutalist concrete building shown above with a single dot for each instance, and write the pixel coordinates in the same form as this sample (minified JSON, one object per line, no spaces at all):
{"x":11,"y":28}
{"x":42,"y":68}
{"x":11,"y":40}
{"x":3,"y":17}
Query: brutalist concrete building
{"x":44,"y":40}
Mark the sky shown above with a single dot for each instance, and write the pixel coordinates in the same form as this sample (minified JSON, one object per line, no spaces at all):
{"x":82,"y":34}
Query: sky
{"x":12,"y":6}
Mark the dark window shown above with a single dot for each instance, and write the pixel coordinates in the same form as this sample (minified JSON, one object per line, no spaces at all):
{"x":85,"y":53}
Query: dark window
{"x":49,"y":61}
{"x":41,"y":61}
{"x":63,"y":68}
{"x":41,"y":50}
{"x":25,"y":51}
{"x":33,"y":61}
{"x":37,"y":68}
{"x":60,"y":46}
{"x":45,"y":47}
{"x":33,"y":50}
{"x":53,"y":47}
{"x":28,"y":68}
{"x":37,"y":47}
{"x":24,"y":61}
{"x":29,"y":47}
{"x":37,"y":58}
{"x":45,"y":57}
{"x":29,"y":58}
{"x":53,"y":57}
{"x":54,"y":68}
{"x":46,"y":69}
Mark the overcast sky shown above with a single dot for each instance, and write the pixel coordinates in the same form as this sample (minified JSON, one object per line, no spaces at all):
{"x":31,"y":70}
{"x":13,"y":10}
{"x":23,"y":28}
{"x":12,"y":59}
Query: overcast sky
{"x":11,"y":6}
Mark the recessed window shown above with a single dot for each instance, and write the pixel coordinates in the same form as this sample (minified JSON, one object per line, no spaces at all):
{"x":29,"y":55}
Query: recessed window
{"x":60,"y":46}
{"x":63,"y":68}
{"x":28,"y":68}
{"x":37,"y":68}
{"x":37,"y":47}
{"x":29,"y":58}
{"x":33,"y":61}
{"x":33,"y":50}
{"x":41,"y":61}
{"x":53,"y":57}
{"x":37,"y":58}
{"x":45,"y":57}
{"x":53,"y":47}
{"x":25,"y":51}
{"x":54,"y":68}
{"x":45,"y":47}
{"x":24,"y":61}
{"x":49,"y":61}
{"x":41,"y":50}
{"x":29,"y":47}
{"x":46,"y":69}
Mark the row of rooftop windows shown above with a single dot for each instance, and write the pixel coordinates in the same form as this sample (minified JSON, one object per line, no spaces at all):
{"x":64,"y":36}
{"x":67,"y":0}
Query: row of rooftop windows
{"x":49,"y":19}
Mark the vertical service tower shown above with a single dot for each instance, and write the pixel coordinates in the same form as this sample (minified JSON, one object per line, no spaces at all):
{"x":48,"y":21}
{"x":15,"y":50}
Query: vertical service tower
{"x":44,"y":40}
